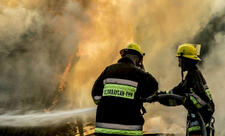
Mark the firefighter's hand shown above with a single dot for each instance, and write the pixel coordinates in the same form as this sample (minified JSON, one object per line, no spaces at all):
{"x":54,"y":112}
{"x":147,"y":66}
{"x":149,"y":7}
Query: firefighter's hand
{"x":141,"y":65}
{"x":161,"y":92}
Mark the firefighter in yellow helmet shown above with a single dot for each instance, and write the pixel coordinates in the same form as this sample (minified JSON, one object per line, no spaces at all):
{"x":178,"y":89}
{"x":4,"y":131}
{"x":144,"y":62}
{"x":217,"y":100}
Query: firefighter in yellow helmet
{"x":118,"y":92}
{"x":188,"y":51}
{"x":134,"y":48}
{"x":195,"y":89}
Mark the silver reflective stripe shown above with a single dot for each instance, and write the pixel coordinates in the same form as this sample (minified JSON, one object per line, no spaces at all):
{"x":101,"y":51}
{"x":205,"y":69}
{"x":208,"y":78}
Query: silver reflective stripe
{"x":205,"y":86}
{"x":170,"y":92}
{"x":120,"y":81}
{"x":193,"y":115}
{"x":195,"y":123}
{"x":200,"y":101}
{"x":96,"y":98}
{"x":118,"y":126}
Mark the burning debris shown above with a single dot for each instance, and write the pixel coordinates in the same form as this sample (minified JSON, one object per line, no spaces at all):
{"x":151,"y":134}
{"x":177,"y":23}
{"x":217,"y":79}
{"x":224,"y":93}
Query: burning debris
{"x":62,"y":83}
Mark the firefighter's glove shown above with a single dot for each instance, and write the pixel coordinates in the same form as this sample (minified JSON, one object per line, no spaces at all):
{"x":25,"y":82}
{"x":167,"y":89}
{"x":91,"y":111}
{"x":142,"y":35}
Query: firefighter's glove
{"x":161,"y":92}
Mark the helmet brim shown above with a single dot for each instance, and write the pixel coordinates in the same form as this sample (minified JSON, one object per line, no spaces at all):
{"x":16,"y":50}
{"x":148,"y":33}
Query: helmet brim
{"x":189,"y":57}
{"x":131,"y":51}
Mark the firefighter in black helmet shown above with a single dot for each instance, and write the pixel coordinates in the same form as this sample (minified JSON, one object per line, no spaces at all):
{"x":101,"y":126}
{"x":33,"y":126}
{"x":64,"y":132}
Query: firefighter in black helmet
{"x":194,"y":87}
{"x":118,"y":92}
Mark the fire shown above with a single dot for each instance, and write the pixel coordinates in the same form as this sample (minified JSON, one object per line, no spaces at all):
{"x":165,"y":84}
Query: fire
{"x":100,"y":41}
{"x":62,"y":83}
{"x":65,"y":74}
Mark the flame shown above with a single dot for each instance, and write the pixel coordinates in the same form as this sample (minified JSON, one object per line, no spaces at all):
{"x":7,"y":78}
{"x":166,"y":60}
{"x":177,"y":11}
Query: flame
{"x":65,"y":74}
{"x":100,"y":41}
{"x":62,"y":84}
{"x":112,"y":24}
{"x":156,"y":25}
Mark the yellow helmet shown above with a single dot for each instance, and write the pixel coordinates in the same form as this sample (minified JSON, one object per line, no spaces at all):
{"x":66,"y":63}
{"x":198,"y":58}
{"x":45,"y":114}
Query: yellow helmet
{"x":133,"y":47}
{"x":187,"y":50}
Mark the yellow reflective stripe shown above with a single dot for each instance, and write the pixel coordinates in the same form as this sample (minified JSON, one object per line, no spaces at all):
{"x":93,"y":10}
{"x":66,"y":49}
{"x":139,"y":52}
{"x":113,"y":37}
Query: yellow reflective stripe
{"x":195,"y":102}
{"x":198,"y":99}
{"x":193,"y":99}
{"x":169,"y":92}
{"x":196,"y":128}
{"x":96,"y":102}
{"x":120,"y":87}
{"x":119,"y":132}
{"x":191,"y":89}
{"x":171,"y":102}
{"x":208,"y":93}
{"x":117,"y":90}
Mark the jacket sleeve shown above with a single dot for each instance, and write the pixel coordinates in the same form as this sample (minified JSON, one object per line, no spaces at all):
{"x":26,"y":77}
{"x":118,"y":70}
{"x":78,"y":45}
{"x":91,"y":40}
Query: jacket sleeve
{"x":202,"y":98}
{"x":150,"y":86}
{"x":97,"y":88}
{"x":172,"y":102}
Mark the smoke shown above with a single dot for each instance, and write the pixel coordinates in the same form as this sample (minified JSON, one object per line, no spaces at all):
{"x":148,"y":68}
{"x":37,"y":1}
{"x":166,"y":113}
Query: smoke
{"x":213,"y":67}
{"x":207,"y":36}
{"x":38,"y":38}
{"x":212,"y":38}
{"x":113,"y":24}
{"x":214,"y":64}
{"x":36,"y":41}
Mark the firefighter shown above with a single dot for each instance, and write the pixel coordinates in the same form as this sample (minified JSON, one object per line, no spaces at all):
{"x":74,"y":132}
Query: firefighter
{"x":118,"y":92}
{"x":195,"y":89}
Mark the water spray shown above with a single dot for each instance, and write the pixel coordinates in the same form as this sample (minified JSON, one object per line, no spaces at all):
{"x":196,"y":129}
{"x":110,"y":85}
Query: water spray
{"x":42,"y":119}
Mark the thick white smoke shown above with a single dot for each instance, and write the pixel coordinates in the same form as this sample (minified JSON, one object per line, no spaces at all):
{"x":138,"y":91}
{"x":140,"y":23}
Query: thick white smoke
{"x":36,"y":42}
{"x":214,"y":69}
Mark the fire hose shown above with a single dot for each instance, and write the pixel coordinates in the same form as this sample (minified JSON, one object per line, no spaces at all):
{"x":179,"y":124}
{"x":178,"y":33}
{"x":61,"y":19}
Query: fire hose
{"x":179,"y":99}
